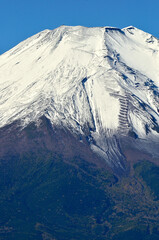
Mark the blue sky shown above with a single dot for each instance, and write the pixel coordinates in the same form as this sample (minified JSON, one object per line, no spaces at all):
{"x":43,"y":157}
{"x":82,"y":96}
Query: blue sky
{"x":20,"y":19}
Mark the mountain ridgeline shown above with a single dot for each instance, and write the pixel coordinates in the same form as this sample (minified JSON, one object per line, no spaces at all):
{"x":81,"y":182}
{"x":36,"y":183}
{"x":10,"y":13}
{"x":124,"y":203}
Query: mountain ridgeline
{"x":79,"y":136}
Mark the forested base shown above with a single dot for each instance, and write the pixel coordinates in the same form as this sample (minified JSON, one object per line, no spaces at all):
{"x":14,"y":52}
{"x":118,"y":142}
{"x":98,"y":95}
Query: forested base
{"x":45,"y":197}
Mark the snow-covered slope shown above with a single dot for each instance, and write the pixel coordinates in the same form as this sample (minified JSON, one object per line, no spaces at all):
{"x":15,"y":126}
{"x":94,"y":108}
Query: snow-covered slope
{"x":100,"y":82}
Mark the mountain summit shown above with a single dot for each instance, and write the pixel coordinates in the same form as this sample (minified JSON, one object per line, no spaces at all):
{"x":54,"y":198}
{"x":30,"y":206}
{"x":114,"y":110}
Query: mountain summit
{"x":101,"y":83}
{"x":79,"y":136}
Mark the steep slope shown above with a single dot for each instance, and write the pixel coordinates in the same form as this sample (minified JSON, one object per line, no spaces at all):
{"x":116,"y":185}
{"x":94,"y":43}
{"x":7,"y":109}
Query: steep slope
{"x":98,"y":82}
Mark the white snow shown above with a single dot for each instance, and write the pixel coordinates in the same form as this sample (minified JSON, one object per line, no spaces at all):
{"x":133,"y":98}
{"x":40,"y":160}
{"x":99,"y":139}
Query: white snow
{"x":80,"y":77}
{"x":50,"y":66}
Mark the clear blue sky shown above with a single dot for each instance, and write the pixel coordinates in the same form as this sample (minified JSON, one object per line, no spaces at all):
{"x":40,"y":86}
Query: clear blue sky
{"x":20,"y":19}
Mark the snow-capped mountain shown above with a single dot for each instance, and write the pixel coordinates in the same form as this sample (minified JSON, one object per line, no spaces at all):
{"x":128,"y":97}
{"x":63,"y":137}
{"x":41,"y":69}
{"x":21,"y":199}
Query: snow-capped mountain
{"x":102,"y":83}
